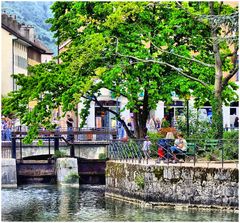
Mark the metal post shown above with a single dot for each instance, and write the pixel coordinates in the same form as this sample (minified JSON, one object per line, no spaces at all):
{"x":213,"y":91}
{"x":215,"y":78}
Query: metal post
{"x":72,"y":152}
{"x":49,"y":146}
{"x":194,"y":160}
{"x":13,"y":147}
{"x":222,"y":152}
{"x":20,"y":148}
{"x":56,"y":142}
{"x":187,"y":118}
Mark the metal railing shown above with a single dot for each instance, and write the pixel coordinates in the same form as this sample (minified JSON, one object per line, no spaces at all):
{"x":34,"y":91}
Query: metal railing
{"x":77,"y":134}
{"x":218,"y":151}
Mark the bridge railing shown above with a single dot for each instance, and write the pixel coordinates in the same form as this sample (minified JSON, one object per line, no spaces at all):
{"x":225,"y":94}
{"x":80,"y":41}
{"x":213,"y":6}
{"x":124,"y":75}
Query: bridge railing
{"x":18,"y":148}
{"x":76,"y":134}
{"x":198,"y":151}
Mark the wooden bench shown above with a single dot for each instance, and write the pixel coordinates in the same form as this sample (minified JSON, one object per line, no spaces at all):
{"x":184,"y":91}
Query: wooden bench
{"x":189,"y":153}
{"x":211,"y":144}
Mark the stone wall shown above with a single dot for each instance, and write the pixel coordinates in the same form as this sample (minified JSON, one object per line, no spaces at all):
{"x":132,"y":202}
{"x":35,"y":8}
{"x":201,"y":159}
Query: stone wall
{"x":192,"y":186}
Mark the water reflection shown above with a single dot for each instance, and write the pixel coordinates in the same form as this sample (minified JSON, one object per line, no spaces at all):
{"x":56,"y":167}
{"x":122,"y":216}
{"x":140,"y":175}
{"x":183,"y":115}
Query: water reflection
{"x":52,"y":203}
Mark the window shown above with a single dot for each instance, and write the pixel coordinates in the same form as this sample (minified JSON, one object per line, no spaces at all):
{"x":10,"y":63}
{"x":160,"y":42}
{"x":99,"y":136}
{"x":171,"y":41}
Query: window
{"x":20,"y":62}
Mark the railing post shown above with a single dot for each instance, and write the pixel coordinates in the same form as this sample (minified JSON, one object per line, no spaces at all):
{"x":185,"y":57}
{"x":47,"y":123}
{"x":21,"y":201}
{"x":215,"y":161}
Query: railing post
{"x":72,"y":152}
{"x":49,"y":145}
{"x":194,"y":159}
{"x":14,"y":155}
{"x":56,"y":142}
{"x":221,"y":144}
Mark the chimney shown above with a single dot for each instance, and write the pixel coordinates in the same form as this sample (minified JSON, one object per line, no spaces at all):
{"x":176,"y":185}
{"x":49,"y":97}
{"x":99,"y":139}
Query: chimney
{"x":9,"y":21}
{"x":4,"y":18}
{"x":15,"y":24}
{"x":24,"y":30}
{"x":31,"y":33}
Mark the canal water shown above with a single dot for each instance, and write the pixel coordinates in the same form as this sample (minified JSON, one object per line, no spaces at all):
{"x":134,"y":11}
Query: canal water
{"x":52,"y":203}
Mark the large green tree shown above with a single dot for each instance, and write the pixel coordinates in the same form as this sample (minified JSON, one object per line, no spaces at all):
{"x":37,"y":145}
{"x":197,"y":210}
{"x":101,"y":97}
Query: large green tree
{"x":138,"y":50}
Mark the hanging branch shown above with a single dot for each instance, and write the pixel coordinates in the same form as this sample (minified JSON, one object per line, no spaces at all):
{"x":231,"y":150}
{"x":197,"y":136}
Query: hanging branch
{"x":179,"y":70}
{"x":183,"y":57}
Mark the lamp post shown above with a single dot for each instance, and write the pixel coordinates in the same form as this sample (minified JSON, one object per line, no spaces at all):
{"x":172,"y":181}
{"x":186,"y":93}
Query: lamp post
{"x":187,"y":103}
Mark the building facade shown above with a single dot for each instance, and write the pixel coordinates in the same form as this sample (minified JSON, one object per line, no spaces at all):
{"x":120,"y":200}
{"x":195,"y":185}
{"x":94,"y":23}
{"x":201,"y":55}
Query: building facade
{"x":20,"y":49}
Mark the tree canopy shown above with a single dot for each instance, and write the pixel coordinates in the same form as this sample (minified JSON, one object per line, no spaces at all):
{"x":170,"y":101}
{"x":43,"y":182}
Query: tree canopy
{"x":139,"y":50}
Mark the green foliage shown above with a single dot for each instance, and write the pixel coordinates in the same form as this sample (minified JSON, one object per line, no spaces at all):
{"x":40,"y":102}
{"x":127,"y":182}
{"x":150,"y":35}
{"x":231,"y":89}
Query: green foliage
{"x":198,"y":129}
{"x":71,"y":178}
{"x":59,"y":154}
{"x":165,"y":124}
{"x":102,"y":156}
{"x":154,"y":137}
{"x":231,"y":145}
{"x":139,"y":180}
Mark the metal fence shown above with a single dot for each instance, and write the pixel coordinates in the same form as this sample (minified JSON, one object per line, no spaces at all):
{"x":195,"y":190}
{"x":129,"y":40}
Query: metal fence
{"x":198,"y":151}
{"x":75,"y":134}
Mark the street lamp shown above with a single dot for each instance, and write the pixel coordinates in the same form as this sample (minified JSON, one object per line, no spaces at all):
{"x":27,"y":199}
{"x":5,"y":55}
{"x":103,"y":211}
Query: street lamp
{"x":187,"y":102}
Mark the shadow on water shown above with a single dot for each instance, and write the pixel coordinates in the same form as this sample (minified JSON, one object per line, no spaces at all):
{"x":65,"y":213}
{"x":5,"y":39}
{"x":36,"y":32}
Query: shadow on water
{"x":52,"y":203}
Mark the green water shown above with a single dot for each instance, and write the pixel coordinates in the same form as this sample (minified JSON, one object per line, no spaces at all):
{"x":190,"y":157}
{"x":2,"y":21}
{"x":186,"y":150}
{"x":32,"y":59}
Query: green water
{"x":52,"y":203}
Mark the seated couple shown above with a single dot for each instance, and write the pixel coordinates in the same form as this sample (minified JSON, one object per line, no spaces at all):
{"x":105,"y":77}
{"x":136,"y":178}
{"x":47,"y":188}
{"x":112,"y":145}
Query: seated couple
{"x":180,"y":146}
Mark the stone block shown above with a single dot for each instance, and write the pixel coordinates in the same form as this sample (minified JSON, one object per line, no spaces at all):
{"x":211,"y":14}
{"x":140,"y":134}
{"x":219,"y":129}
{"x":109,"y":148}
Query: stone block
{"x":65,"y":167}
{"x":9,"y":173}
{"x":229,"y":192}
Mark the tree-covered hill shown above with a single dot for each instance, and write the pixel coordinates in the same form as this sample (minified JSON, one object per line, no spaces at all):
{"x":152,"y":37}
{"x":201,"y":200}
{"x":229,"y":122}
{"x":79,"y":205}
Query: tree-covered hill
{"x":33,"y":13}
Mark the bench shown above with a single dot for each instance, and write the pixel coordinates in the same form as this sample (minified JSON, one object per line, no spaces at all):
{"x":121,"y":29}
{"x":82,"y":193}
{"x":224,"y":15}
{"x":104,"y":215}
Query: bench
{"x":210,"y":145}
{"x":189,"y":153}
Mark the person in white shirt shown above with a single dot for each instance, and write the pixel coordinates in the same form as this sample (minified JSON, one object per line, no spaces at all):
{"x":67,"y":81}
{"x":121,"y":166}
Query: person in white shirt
{"x":180,"y":146}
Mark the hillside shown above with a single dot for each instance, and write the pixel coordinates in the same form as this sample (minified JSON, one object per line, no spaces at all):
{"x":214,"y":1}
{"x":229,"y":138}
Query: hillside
{"x":35,"y":14}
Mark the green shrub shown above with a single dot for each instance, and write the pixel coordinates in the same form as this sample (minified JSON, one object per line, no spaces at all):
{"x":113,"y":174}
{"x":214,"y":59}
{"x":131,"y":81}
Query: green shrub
{"x":59,"y":154}
{"x":72,"y":177}
{"x":197,"y":129}
{"x":102,"y":156}
{"x":139,"y":180}
{"x":165,"y":124}
{"x":230,"y":145}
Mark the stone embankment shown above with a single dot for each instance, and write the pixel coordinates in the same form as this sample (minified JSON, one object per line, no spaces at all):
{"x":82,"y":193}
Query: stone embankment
{"x":158,"y":185}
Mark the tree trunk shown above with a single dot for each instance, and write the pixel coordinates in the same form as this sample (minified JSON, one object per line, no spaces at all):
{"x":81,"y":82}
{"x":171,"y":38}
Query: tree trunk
{"x":217,"y":113}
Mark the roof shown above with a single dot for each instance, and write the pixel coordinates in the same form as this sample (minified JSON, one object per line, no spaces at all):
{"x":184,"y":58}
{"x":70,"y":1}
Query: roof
{"x":37,"y":44}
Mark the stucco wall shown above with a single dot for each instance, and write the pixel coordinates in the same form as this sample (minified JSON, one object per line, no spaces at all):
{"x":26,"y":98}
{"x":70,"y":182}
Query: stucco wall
{"x":173,"y":184}
{"x":6,"y":59}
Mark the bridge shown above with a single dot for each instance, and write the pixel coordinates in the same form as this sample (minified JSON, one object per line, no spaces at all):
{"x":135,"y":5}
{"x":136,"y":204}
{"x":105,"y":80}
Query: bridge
{"x":36,"y":162}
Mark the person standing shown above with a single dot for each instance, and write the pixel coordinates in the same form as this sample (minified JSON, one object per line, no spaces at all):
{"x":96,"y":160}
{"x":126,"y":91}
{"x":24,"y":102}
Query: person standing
{"x":236,"y":123}
{"x":146,"y":147}
{"x":70,"y":122}
{"x":152,"y":124}
{"x":158,"y":124}
{"x":8,"y":129}
{"x":3,"y":128}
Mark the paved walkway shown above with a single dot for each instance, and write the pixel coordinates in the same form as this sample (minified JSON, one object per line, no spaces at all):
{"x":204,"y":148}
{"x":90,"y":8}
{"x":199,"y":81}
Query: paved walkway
{"x":204,"y":164}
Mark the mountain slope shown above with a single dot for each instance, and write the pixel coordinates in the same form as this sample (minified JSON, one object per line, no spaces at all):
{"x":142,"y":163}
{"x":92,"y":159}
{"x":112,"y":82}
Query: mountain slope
{"x":35,"y":14}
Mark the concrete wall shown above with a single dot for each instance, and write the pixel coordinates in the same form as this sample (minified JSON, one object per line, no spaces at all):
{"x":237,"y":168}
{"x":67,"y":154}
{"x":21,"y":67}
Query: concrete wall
{"x":9,"y":173}
{"x":65,"y":167}
{"x":88,"y":150}
{"x":189,"y":186}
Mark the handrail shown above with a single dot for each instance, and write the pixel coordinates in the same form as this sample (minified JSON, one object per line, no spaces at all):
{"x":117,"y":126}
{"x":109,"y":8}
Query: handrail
{"x":131,"y":150}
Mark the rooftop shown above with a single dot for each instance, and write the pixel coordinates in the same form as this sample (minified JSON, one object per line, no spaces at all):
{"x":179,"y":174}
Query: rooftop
{"x":24,"y":32}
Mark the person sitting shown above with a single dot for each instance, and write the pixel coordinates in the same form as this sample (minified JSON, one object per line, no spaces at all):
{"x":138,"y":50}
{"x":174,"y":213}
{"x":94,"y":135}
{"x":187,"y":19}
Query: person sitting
{"x":164,"y":152}
{"x":180,"y":147}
